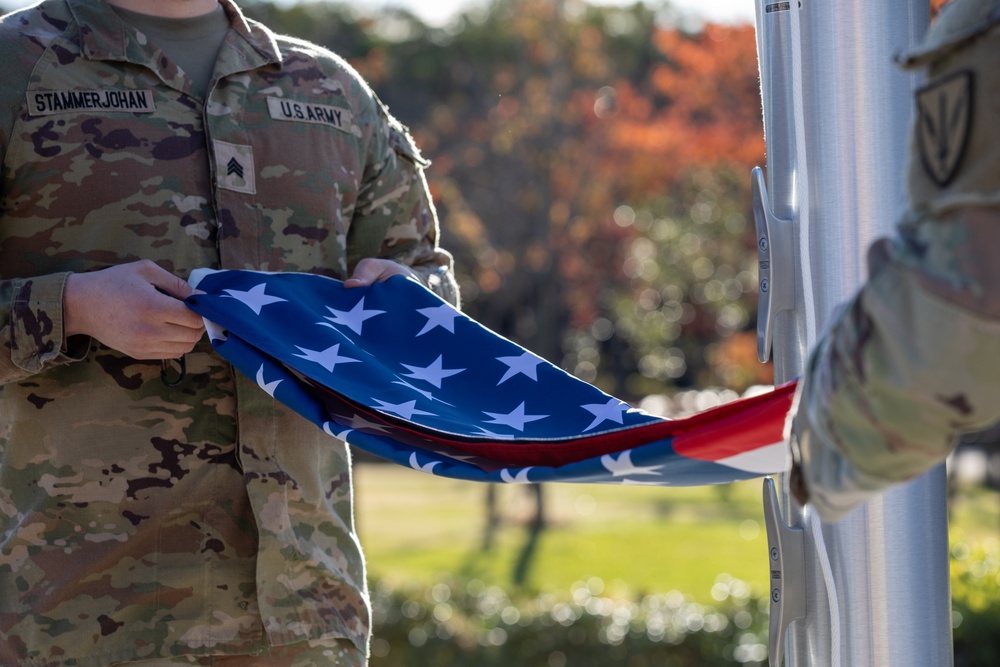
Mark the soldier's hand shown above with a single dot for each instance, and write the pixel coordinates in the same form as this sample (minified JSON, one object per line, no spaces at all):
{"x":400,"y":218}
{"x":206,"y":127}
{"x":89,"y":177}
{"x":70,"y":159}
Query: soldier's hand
{"x":372,"y":270}
{"x":133,"y":308}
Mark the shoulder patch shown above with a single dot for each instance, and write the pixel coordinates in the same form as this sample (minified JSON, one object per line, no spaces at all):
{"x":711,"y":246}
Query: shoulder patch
{"x":944,"y":122}
{"x":309,"y":112}
{"x":48,"y":102}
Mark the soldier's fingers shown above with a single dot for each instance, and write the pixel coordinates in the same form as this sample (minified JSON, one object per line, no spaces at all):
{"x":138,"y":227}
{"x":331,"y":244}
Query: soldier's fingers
{"x":183,"y":335}
{"x":164,"y":280}
{"x":176,"y":313}
{"x":365,"y":273}
{"x":163,"y":341}
{"x":373,"y":270}
{"x":177,"y":290}
{"x":171,"y":306}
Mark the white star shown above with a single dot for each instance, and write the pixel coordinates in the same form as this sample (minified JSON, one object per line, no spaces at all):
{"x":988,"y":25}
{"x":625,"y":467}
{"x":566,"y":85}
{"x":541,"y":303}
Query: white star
{"x":516,"y":419}
{"x":328,"y":428}
{"x":426,"y":394}
{"x":464,"y":458}
{"x":353,"y":319}
{"x":327,"y":358}
{"x":269,"y":387}
{"x":404,"y":410}
{"x":440,"y":316}
{"x":255,"y":299}
{"x":520,"y":478}
{"x":623,"y":465}
{"x":360,"y":423}
{"x":527,"y":364}
{"x":415,"y":464}
{"x":433,"y":373}
{"x":612,"y":410}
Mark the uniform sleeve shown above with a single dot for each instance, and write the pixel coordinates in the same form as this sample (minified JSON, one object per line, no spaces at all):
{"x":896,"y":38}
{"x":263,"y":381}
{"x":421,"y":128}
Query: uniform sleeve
{"x":31,"y":321}
{"x":31,"y":326}
{"x":395,"y":218}
{"x":911,"y":364}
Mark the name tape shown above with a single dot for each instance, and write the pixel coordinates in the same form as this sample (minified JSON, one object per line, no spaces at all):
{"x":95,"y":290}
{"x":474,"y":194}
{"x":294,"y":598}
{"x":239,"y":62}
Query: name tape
{"x":45,"y":103}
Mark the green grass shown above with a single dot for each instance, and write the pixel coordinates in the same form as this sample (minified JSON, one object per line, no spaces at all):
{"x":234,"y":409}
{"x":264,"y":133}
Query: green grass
{"x":417,"y":528}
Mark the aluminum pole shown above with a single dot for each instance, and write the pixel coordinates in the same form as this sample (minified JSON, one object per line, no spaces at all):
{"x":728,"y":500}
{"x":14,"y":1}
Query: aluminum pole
{"x":836,"y":118}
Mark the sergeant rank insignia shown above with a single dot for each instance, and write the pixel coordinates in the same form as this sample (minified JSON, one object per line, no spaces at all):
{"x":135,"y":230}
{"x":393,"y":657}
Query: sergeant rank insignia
{"x":944,"y":111}
{"x":234,"y":168}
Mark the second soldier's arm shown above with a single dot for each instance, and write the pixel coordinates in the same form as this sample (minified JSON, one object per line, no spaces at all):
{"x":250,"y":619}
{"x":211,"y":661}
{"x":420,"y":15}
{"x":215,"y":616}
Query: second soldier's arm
{"x":910,"y":365}
{"x":913,"y":362}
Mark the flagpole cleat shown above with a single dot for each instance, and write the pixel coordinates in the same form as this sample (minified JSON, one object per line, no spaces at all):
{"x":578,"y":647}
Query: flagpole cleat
{"x":786,"y":558}
{"x":775,"y":264}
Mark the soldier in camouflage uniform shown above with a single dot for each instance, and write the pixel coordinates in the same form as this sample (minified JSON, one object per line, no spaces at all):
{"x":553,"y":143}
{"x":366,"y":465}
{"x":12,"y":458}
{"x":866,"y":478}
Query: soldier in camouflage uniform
{"x":191,"y":517}
{"x":914,"y":360}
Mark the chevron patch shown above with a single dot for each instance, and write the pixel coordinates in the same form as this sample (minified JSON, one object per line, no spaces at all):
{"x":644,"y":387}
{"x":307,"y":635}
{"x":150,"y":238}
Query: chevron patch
{"x":234,"y":167}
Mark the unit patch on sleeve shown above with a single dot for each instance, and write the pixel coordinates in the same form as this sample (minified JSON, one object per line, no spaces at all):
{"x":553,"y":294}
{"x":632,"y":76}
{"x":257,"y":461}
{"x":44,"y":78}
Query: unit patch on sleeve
{"x":48,"y":102}
{"x":944,"y":110}
{"x":308,"y":112}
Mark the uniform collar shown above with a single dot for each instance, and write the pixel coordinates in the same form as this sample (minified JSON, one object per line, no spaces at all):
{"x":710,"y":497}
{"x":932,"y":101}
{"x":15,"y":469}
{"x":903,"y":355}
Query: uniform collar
{"x":104,"y":36}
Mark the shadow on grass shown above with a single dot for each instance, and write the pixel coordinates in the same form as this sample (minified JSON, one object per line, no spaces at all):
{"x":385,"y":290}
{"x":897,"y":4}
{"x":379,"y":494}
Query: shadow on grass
{"x":475,"y":564}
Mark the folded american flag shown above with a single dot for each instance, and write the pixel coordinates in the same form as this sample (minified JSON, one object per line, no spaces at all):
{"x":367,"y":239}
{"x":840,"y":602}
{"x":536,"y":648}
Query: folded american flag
{"x":396,"y":371}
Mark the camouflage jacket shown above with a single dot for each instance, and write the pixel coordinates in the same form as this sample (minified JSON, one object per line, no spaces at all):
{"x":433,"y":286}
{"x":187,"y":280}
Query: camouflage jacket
{"x":140,"y":520}
{"x":913,"y":361}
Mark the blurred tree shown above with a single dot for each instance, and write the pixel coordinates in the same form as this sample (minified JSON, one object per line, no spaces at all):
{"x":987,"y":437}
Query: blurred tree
{"x":591,"y":172}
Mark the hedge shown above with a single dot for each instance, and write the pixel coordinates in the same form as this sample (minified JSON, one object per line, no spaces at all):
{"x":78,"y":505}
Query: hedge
{"x":975,"y":602}
{"x":470,"y":624}
{"x":474,"y":625}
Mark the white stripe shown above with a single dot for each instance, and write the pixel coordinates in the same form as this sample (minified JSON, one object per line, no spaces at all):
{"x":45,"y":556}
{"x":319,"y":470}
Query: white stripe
{"x":766,"y":460}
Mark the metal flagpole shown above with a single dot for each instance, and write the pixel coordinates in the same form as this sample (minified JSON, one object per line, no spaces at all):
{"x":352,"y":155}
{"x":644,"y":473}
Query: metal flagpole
{"x":872,"y":590}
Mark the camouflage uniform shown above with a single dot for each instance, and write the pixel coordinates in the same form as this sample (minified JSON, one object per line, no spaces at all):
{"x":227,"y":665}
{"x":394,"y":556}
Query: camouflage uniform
{"x":138,"y":520}
{"x":914,"y":360}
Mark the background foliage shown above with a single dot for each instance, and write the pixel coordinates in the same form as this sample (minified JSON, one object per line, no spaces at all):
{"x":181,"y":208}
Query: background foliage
{"x":475,"y":624}
{"x":591,"y":171}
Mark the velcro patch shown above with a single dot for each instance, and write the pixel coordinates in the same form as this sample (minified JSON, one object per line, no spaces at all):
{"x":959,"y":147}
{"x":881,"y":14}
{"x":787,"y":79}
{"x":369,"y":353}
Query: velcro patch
{"x":234,"y":167}
{"x":308,"y":112}
{"x":48,"y":102}
{"x":944,"y":111}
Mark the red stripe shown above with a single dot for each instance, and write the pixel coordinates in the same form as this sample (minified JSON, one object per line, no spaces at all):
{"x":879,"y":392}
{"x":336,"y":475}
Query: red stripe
{"x":733,"y":428}
{"x":738,"y":433}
